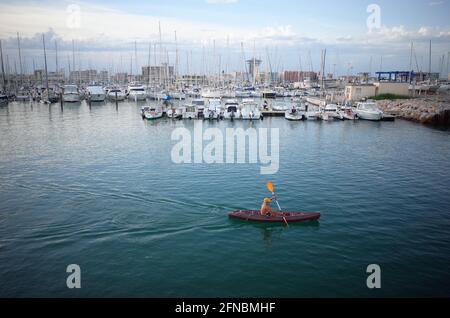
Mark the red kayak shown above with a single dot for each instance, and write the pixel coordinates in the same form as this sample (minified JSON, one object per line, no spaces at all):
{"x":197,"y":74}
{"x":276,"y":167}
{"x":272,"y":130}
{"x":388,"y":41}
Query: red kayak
{"x":252,"y":215}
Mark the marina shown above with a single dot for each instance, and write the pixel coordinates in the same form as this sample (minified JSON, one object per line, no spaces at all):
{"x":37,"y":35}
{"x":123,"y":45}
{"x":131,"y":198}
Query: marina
{"x":224,"y":149}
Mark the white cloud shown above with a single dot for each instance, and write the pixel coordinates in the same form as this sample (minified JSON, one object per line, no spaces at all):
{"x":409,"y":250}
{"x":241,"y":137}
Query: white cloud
{"x":436,"y":3}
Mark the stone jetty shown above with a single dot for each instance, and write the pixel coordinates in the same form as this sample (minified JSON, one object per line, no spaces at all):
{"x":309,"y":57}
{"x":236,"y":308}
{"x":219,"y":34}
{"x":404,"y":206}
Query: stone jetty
{"x":432,"y":110}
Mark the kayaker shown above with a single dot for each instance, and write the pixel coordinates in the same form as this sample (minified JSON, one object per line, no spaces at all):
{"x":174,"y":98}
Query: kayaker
{"x":265,"y":208}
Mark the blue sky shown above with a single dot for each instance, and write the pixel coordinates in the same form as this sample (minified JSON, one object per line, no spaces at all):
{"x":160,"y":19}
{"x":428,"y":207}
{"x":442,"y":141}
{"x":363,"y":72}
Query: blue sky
{"x":283,"y":31}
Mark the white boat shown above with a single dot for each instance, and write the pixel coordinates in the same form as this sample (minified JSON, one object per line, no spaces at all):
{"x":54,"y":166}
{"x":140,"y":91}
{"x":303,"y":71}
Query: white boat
{"x":250,"y":110}
{"x":151,"y":112}
{"x":71,"y":94}
{"x":232,"y":110}
{"x":280,"y":106}
{"x":177,"y":95}
{"x":199,"y":105}
{"x":294,"y":114}
{"x":96,"y":94}
{"x":116,"y":94}
{"x":368,"y":111}
{"x":189,"y":111}
{"x":329,"y":112}
{"x":136,"y":92}
{"x":312,"y":112}
{"x":210,"y":94}
{"x":213,"y":111}
{"x":174,"y":113}
{"x":347,"y":113}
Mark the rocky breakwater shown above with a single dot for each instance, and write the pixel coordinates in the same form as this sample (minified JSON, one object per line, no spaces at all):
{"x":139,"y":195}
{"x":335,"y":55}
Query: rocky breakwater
{"x":433,"y":110}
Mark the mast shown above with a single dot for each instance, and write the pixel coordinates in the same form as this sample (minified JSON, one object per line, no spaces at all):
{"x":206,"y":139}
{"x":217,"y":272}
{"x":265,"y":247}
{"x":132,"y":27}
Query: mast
{"x":160,"y":53}
{"x":3,"y":68}
{"x":45,"y":65}
{"x":56,"y":55}
{"x":20,"y":59}
{"x":149,"y":62}
{"x":411,"y":62}
{"x":73,"y":57}
{"x":176,"y":58}
{"x":135,"y":58}
{"x":429,"y":64}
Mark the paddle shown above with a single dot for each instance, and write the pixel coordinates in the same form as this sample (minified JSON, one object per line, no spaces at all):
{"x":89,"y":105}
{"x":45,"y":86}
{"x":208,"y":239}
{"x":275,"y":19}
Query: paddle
{"x":271,"y":189}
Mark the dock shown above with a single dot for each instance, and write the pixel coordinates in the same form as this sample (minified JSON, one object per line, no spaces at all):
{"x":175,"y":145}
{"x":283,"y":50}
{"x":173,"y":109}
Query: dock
{"x":272,"y":113}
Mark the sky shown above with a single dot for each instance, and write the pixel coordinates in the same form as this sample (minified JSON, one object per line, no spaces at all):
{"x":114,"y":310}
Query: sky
{"x":218,"y":35}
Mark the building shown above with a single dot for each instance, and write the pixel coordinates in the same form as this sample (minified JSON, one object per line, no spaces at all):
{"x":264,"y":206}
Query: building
{"x":253,"y":69}
{"x":356,"y":92}
{"x":83,"y":77}
{"x":191,"y":80}
{"x":120,"y":78}
{"x":158,"y":74}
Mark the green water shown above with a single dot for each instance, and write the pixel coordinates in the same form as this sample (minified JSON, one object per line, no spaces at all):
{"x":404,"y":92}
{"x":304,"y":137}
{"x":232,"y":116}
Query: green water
{"x":97,"y":187}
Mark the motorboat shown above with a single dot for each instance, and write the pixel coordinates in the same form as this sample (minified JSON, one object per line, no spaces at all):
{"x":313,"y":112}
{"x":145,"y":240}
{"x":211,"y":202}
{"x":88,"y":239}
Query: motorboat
{"x":312,"y":112}
{"x":71,"y":94}
{"x":250,"y":110}
{"x":232,"y":110}
{"x":96,"y":94}
{"x":295,"y":114}
{"x":115,"y":94}
{"x":136,"y":92}
{"x":189,"y":111}
{"x":214,"y":109}
{"x":151,"y":112}
{"x":280,"y":106}
{"x":368,"y":111}
{"x":329,"y":112}
{"x":174,"y":113}
{"x":347,"y":113}
{"x":199,"y":105}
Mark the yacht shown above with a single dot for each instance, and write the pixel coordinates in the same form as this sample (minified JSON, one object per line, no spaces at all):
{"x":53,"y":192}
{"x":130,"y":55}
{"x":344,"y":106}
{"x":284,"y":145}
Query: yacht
{"x":280,"y":106}
{"x":329,"y":112}
{"x":312,"y":112}
{"x":71,"y":94}
{"x":368,"y":111}
{"x":295,"y":113}
{"x":232,"y":109}
{"x":214,"y":110}
{"x":96,"y":94}
{"x":347,"y":113}
{"x":136,"y":92}
{"x":151,"y":112}
{"x":115,"y":94}
{"x":174,"y":113}
{"x":250,"y":110}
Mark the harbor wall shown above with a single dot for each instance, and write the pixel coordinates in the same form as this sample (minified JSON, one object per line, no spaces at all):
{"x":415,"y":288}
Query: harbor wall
{"x":433,"y":110}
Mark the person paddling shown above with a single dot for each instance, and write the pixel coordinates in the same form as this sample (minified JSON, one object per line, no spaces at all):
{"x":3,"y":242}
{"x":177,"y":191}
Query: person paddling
{"x":265,"y":208}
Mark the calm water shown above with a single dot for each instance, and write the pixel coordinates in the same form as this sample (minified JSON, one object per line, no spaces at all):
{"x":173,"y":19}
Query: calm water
{"x":97,"y":187}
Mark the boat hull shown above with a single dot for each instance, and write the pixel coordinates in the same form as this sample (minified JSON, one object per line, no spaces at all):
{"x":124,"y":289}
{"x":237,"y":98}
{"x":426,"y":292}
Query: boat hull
{"x":254,"y":215}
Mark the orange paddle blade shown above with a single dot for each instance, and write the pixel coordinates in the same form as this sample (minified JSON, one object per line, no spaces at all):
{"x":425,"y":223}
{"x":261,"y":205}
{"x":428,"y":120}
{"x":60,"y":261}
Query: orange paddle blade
{"x":270,"y":186}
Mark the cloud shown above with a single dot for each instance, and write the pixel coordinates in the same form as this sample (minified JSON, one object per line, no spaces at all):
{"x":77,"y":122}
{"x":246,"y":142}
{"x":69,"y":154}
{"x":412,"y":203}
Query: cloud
{"x":436,"y":3}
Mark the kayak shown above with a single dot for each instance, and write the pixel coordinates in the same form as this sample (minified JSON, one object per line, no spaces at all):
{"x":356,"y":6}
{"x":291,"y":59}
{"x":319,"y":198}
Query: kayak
{"x":253,"y":215}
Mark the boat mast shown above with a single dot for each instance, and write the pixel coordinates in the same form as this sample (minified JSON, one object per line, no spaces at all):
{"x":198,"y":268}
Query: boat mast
{"x":20,"y":59}
{"x":3,"y":68}
{"x":160,"y":53}
{"x":176,"y":60}
{"x":429,"y":64}
{"x":149,"y":62}
{"x":135,"y":58}
{"x":45,"y":65}
{"x":56,"y":56}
